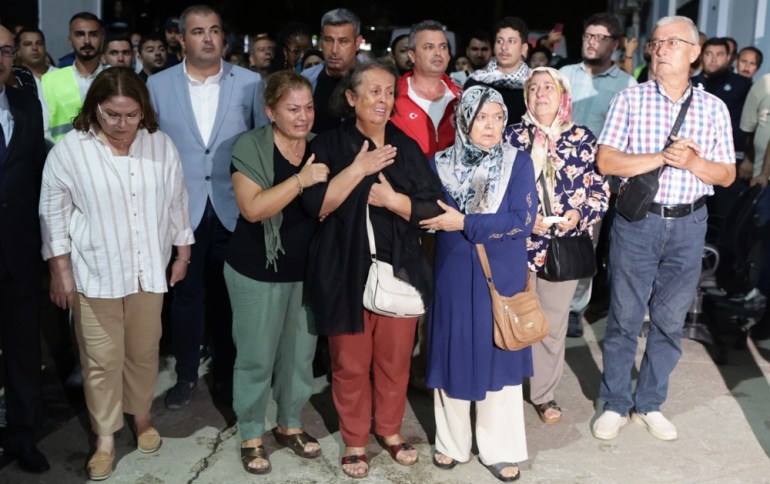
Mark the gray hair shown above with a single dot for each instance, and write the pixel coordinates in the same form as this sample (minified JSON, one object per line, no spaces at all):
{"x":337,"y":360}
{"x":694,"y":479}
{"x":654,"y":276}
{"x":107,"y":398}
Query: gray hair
{"x":341,"y":16}
{"x":196,"y":10}
{"x":424,"y":25}
{"x":662,"y":22}
{"x":253,"y":43}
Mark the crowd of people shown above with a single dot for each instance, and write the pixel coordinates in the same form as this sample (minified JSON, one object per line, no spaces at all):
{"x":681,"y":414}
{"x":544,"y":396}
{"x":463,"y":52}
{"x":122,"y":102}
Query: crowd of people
{"x":259,"y":190}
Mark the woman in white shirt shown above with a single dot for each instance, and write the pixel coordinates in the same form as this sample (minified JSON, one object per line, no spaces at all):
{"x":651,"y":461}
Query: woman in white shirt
{"x":113,"y":202}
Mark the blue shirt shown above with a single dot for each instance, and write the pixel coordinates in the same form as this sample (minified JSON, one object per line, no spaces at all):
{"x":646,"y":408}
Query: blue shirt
{"x":591,"y":95}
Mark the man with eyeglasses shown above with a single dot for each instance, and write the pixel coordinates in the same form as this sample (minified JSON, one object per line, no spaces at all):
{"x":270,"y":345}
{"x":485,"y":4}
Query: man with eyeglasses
{"x":594,"y":82}
{"x":655,"y":262}
{"x":65,"y":89}
{"x":21,"y":166}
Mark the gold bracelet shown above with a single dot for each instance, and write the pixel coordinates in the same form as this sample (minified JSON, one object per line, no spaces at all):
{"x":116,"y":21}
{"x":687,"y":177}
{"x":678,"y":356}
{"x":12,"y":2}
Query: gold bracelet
{"x":186,"y":261}
{"x":299,"y":183}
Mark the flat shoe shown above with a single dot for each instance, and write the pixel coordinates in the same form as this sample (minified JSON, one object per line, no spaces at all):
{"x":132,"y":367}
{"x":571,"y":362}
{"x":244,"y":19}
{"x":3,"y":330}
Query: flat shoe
{"x":250,"y":454}
{"x":441,"y":465}
{"x":355,"y":459}
{"x":395,"y":449}
{"x":149,"y":440}
{"x":297,"y":443}
{"x":544,"y":407}
{"x":497,"y":471}
{"x":100,"y":466}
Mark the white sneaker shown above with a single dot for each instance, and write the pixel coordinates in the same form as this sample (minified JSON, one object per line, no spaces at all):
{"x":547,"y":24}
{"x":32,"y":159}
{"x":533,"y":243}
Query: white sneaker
{"x":607,"y":426}
{"x":658,"y":425}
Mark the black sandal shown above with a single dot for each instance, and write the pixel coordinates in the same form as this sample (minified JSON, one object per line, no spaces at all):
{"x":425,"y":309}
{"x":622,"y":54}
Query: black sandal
{"x":544,"y":407}
{"x":250,"y":454}
{"x":297,"y":443}
{"x":441,"y":465}
{"x":497,"y":471}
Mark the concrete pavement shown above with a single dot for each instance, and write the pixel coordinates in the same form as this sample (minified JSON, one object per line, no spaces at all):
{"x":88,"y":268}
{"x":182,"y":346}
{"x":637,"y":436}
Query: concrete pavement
{"x":722,"y":414}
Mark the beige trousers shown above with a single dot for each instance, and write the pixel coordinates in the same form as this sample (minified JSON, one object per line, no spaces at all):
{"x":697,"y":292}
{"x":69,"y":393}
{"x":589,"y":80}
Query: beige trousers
{"x":548,"y":355}
{"x":500,"y":432}
{"x":118,"y":341}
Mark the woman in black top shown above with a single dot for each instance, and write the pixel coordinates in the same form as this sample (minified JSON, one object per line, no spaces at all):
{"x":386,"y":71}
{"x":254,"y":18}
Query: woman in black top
{"x":375,"y":165}
{"x":264,"y":271}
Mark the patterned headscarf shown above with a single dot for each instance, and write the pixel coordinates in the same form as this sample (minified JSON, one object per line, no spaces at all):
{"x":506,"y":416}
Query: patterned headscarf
{"x":544,"y":137}
{"x":475,"y":178}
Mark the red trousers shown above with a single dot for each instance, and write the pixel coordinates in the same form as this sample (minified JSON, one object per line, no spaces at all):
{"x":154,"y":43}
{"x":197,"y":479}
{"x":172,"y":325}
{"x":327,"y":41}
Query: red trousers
{"x":370,"y":374}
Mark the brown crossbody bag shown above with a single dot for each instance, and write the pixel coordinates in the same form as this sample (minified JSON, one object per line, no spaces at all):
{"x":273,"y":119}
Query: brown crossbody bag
{"x":518,"y":320}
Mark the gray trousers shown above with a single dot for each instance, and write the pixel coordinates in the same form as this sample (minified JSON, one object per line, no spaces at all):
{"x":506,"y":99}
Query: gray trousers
{"x":548,"y":354}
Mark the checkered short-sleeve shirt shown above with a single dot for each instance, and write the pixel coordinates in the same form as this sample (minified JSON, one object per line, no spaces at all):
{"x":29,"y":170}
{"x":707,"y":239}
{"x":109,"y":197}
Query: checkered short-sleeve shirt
{"x":639,"y":122}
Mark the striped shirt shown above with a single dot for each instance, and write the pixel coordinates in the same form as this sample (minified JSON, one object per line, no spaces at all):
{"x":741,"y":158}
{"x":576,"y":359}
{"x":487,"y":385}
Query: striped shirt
{"x":639,"y":122}
{"x":117,"y":216}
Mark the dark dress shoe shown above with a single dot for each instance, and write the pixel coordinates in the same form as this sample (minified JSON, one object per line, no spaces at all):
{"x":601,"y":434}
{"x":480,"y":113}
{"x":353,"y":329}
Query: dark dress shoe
{"x":30,"y":459}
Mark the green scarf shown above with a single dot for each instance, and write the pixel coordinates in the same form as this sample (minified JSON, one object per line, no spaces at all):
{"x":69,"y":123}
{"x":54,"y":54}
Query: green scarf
{"x":253,"y":157}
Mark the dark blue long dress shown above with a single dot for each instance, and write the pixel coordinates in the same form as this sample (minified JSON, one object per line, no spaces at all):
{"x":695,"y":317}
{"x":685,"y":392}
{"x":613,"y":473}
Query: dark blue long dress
{"x":462,"y":357}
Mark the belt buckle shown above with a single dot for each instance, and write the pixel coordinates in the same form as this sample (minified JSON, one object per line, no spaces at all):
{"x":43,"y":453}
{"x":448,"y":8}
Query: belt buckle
{"x":664,"y":210}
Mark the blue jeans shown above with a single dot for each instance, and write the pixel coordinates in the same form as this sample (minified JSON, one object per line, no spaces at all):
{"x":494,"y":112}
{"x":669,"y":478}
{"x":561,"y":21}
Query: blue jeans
{"x":654,"y":262}
{"x":200,"y":296}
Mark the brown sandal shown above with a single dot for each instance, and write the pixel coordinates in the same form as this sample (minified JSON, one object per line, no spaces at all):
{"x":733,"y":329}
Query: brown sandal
{"x":297,"y":443}
{"x":250,"y":454}
{"x":395,"y":449}
{"x":544,"y":407}
{"x":355,"y":459}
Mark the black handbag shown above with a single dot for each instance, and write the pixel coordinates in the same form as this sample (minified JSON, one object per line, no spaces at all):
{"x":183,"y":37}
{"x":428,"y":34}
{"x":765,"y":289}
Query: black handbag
{"x":567,"y":258}
{"x":636,"y":195}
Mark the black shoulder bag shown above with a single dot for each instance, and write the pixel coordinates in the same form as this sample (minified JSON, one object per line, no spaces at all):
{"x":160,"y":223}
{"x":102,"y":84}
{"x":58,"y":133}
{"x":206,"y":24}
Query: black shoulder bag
{"x":567,"y":258}
{"x":636,"y":195}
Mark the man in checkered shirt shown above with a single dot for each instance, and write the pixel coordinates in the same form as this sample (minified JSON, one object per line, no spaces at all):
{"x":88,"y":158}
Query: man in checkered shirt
{"x":655,"y":262}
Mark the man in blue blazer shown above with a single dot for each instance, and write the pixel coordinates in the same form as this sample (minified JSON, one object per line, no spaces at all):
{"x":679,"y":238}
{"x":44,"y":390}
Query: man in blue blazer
{"x":204,"y":104}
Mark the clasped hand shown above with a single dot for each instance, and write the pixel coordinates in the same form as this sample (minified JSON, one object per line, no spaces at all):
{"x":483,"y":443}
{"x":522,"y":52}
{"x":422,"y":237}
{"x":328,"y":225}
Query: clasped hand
{"x":682,"y":153}
{"x":450,"y":220}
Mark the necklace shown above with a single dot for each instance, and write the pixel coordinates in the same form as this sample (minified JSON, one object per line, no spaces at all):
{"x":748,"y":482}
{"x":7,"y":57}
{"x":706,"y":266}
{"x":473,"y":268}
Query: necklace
{"x":284,"y":147}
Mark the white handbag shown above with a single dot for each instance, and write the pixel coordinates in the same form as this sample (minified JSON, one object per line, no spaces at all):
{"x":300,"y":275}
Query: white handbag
{"x":384,"y":293}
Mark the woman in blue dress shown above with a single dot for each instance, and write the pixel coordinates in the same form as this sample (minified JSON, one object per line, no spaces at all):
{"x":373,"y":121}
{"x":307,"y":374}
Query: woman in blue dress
{"x":491,"y":200}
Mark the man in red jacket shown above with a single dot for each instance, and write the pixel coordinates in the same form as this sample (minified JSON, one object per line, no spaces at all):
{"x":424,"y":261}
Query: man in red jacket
{"x":427,"y":96}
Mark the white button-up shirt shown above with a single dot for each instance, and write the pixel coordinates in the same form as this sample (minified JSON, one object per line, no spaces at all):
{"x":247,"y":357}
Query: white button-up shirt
{"x":204,"y":97}
{"x":117,"y":216}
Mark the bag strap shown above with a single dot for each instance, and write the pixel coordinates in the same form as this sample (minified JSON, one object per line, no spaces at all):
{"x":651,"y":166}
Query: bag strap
{"x":677,"y":125}
{"x":488,"y":272}
{"x":370,"y":235}
{"x":547,"y":199}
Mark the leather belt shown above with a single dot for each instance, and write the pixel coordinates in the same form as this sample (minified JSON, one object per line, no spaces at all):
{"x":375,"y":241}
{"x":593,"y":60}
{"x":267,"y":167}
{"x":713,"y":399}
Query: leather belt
{"x":679,"y":210}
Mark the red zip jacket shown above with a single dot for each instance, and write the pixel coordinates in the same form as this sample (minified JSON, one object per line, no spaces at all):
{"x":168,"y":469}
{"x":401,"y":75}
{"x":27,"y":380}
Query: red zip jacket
{"x":412,"y":120}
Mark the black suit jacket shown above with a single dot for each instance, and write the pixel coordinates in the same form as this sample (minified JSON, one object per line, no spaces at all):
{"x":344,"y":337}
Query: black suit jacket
{"x":20,"y":186}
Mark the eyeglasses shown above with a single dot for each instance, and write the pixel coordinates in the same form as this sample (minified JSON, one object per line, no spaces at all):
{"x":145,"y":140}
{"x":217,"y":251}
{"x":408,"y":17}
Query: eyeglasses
{"x":600,"y":37}
{"x":672,"y":43}
{"x":8,"y":51}
{"x":115,"y":119}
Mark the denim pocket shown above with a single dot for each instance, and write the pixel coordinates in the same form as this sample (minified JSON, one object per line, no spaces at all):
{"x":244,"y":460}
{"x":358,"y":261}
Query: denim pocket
{"x":701,"y":215}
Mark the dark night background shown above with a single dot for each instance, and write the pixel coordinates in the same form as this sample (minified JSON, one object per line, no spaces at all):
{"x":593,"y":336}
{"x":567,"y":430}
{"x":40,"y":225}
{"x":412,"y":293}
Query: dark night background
{"x":254,"y":16}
